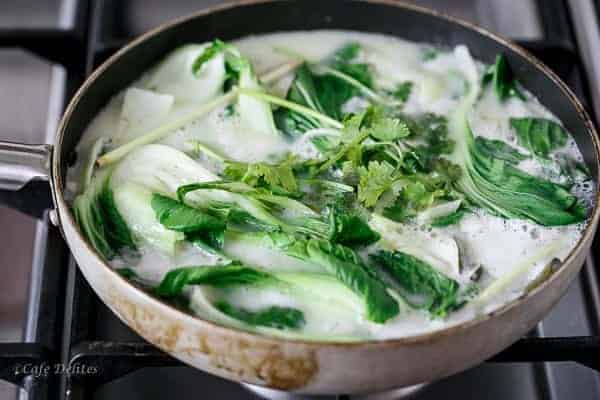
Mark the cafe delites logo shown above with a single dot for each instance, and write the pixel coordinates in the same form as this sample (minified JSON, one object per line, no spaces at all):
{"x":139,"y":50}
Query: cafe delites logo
{"x":44,"y":369}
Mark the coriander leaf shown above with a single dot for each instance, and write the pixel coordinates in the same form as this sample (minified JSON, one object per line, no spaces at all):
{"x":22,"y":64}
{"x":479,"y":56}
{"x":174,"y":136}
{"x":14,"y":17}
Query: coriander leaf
{"x":272,"y":317}
{"x":419,"y":278}
{"x":262,"y":174}
{"x":356,"y":129}
{"x":501,"y":76}
{"x":420,"y":191}
{"x":180,"y":217}
{"x":325,"y":144}
{"x":375,"y":179}
{"x":389,"y":129}
{"x":499,"y":149}
{"x":448,"y":220}
{"x":217,"y":276}
{"x":413,"y":198}
{"x":540,"y":136}
{"x":432,"y":131}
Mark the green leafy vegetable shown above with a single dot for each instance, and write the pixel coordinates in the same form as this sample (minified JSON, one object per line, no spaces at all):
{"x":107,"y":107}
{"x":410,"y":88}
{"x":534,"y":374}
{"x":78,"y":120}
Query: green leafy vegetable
{"x":99,"y":220}
{"x":303,"y":91}
{"x":255,"y":114}
{"x":211,"y":242}
{"x":344,"y":60}
{"x":261,"y":174}
{"x":336,"y":260}
{"x":234,"y":62}
{"x":179,"y":217}
{"x":209,"y":52}
{"x":260,"y":209}
{"x":430,"y":132}
{"x":448,"y":220}
{"x":413,"y":198}
{"x":349,"y":228}
{"x":512,"y":193}
{"x":217,"y":276}
{"x":272,"y":317}
{"x":501,"y":76}
{"x":429,"y":53}
{"x":375,"y":179}
{"x":389,"y":129}
{"x":339,"y":79}
{"x":540,"y":136}
{"x":347,"y":267}
{"x":496,"y":185}
{"x":355,"y":130}
{"x":126,"y":273}
{"x":419,"y":278}
{"x":575,"y":171}
{"x":402,"y":91}
{"x":499,"y":149}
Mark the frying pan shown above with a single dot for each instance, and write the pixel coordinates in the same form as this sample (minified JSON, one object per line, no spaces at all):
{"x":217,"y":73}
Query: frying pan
{"x":308,"y":367}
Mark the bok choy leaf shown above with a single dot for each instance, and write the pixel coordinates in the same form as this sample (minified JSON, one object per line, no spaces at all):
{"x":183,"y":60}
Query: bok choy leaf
{"x":538,"y":135}
{"x":99,"y":219}
{"x":273,"y":317}
{"x":492,"y":183}
{"x":419,"y":278}
{"x":501,"y":76}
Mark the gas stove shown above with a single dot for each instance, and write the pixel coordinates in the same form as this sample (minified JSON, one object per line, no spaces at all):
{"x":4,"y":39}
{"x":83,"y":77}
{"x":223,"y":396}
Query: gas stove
{"x":58,"y":341}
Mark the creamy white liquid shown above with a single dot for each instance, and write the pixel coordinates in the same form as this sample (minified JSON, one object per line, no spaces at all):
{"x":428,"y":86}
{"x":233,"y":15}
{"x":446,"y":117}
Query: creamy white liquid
{"x":496,"y":244}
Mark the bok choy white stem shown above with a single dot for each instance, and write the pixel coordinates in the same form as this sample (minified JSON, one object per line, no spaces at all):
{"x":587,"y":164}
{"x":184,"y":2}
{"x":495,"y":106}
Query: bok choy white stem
{"x":166,"y":129}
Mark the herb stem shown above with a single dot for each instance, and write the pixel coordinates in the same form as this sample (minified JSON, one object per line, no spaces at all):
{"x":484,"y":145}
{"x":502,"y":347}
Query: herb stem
{"x":280,"y":71}
{"x":292,"y":106}
{"x":340,"y":153}
{"x":350,"y":80}
{"x":166,"y":129}
{"x":199,"y":147}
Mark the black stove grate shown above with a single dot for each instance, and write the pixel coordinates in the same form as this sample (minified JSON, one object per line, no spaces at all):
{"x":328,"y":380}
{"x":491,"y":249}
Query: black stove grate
{"x":61,"y":322}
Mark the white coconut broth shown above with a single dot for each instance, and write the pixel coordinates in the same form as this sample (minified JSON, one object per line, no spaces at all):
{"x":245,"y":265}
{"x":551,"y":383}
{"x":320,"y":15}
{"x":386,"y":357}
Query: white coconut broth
{"x":501,"y":246}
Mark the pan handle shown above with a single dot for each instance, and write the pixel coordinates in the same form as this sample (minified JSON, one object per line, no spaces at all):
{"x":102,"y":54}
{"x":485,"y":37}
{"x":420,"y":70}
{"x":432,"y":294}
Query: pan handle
{"x":25,"y":177}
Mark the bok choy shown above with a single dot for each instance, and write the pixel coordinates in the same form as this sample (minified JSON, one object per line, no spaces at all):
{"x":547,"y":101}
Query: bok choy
{"x":490,"y":182}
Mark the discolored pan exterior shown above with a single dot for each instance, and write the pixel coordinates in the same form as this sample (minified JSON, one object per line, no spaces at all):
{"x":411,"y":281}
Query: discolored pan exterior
{"x":312,"y":367}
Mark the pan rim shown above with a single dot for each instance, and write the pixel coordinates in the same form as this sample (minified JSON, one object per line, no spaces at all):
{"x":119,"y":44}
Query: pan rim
{"x":587,"y":236}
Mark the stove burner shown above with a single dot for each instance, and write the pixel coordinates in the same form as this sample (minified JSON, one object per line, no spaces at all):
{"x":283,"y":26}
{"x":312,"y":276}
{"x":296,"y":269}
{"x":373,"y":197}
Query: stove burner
{"x":394,"y":394}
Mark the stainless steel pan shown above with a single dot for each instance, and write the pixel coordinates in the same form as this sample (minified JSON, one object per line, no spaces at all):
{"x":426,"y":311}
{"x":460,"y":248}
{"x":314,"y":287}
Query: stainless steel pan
{"x":310,"y":367}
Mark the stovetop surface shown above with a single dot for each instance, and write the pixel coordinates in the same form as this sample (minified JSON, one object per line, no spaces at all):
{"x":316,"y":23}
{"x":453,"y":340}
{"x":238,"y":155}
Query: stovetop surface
{"x":36,"y":94}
